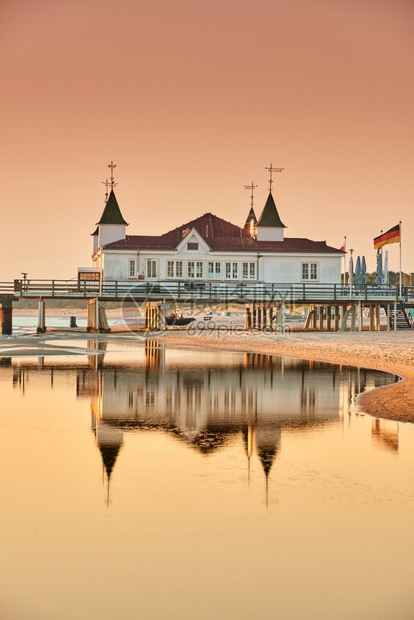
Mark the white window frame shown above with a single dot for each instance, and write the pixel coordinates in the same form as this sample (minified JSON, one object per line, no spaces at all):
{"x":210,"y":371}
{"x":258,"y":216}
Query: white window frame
{"x":309,"y":271}
{"x":248,"y":270}
{"x":191,"y":269}
{"x":132,"y":268}
{"x":232,"y":270}
{"x":174,"y":269}
{"x":199,"y":270}
{"x":151,"y":269}
{"x":170,"y":268}
{"x":214,"y":270}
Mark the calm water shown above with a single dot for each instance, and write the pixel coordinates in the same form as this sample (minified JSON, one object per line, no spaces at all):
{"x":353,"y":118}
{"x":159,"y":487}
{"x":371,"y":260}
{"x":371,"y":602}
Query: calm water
{"x":155,"y":483}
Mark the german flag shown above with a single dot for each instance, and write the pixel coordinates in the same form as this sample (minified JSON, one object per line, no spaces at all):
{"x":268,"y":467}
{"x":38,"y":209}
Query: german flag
{"x":393,"y":235}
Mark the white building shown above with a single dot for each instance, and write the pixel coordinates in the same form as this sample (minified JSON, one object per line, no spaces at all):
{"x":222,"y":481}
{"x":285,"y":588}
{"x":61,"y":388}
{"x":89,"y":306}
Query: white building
{"x":211,"y":249}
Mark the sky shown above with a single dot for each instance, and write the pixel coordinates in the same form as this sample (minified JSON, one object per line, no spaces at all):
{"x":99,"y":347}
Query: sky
{"x":192,"y":101}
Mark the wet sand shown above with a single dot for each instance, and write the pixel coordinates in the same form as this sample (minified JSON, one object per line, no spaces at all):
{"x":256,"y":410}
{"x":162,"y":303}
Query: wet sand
{"x":389,"y":351}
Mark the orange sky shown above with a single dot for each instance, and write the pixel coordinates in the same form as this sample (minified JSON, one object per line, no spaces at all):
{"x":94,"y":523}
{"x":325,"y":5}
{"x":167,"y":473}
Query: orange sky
{"x":192,"y":100}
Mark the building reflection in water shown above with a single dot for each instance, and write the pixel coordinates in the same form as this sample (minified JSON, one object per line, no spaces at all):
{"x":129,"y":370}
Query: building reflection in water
{"x":205,"y":405}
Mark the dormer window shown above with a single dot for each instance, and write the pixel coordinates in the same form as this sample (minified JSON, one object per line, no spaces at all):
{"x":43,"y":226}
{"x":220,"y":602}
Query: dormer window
{"x":191,"y":245}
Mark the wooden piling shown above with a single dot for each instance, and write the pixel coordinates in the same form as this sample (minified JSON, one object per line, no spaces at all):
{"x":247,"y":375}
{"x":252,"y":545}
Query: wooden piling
{"x":377,"y":317}
{"x":311,"y":318}
{"x":259,"y":317}
{"x":321,"y":318}
{"x":270,"y":314}
{"x":153,"y":316}
{"x":91,"y":322}
{"x":328,"y":318}
{"x":336,"y":318}
{"x":371,"y":317}
{"x":41,"y":316}
{"x":6,"y":314}
{"x":6,"y":321}
{"x":247,"y":317}
{"x":353,"y":317}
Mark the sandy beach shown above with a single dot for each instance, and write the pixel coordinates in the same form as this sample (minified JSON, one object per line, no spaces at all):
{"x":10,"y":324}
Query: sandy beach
{"x":388,"y":351}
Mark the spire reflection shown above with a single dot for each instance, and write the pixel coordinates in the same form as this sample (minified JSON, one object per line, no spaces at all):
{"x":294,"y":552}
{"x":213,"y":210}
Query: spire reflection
{"x":205,"y":401}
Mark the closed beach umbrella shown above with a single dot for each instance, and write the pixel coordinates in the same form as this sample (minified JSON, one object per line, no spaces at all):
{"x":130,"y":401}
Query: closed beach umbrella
{"x":351,"y":269}
{"x":358,"y":271}
{"x":363,"y":271}
{"x":385,"y":281}
{"x":378,"y":279}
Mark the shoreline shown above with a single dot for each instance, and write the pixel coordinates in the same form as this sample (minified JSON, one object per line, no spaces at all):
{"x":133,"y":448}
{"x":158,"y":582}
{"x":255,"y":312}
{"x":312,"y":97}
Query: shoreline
{"x":386,"y":351}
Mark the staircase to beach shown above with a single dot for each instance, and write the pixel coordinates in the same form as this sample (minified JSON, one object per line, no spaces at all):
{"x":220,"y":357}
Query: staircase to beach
{"x":402,"y":317}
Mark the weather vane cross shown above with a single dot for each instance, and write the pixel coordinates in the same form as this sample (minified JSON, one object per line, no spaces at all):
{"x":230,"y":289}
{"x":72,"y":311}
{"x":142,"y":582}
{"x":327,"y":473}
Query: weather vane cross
{"x":107,"y":184}
{"x":252,"y":187}
{"x":271,"y":169}
{"x":112,"y":180}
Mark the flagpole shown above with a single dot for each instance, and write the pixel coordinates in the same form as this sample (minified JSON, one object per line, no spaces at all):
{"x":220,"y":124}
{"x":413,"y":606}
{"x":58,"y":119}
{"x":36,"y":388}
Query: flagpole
{"x":344,"y":282}
{"x":400,"y":257}
{"x":345,"y":264}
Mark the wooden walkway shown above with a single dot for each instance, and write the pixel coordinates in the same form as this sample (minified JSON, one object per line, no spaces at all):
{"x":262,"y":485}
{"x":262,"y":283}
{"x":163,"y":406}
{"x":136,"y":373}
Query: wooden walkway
{"x":330,"y":305}
{"x":199,"y":292}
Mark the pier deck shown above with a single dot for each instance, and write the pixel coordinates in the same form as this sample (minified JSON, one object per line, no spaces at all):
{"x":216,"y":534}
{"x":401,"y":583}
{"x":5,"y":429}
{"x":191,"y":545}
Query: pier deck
{"x":203,"y":292}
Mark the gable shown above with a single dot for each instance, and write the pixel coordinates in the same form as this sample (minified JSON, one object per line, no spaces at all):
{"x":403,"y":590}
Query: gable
{"x":192,"y":242}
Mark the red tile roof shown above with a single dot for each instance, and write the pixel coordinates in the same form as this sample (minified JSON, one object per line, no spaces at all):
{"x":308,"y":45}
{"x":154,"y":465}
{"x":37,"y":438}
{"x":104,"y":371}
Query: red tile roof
{"x":208,"y":226}
{"x":219,"y":235}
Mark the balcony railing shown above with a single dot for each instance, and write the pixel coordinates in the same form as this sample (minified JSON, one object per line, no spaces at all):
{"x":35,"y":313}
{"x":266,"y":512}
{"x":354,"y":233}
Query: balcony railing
{"x":200,"y":291}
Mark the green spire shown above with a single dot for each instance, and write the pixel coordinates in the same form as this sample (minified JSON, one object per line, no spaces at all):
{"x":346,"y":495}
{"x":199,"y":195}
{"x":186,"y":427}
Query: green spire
{"x":112,"y":213}
{"x":269,"y":217}
{"x":250,"y":217}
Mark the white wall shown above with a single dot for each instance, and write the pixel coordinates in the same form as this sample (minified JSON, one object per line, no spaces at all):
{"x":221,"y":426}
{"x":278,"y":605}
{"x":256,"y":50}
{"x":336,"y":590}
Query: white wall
{"x":267,"y":233}
{"x":116,"y":266}
{"x":269,"y":268}
{"x":111,"y":232}
{"x":287,"y":269}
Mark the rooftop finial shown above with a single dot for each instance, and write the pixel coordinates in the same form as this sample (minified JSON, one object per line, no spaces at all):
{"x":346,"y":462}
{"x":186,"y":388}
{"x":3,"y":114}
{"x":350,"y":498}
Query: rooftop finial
{"x":106,"y":183}
{"x":271,"y":169}
{"x":112,"y":180}
{"x":252,"y":187}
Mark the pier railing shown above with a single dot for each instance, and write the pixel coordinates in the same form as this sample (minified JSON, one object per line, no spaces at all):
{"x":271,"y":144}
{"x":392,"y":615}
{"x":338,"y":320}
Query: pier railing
{"x":199,"y":291}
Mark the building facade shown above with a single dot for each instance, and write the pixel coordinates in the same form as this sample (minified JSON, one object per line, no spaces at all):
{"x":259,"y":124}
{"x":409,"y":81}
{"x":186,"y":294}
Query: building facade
{"x":210,"y":249}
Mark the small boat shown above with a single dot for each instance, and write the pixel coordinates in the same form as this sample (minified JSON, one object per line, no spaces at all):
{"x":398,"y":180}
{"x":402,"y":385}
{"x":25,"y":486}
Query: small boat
{"x":179,"y":321}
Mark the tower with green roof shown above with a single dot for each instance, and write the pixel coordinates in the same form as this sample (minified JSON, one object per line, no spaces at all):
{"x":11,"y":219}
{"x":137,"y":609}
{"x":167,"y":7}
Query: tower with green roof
{"x":112,"y":226}
{"x":250,"y":223}
{"x":269,"y":226}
